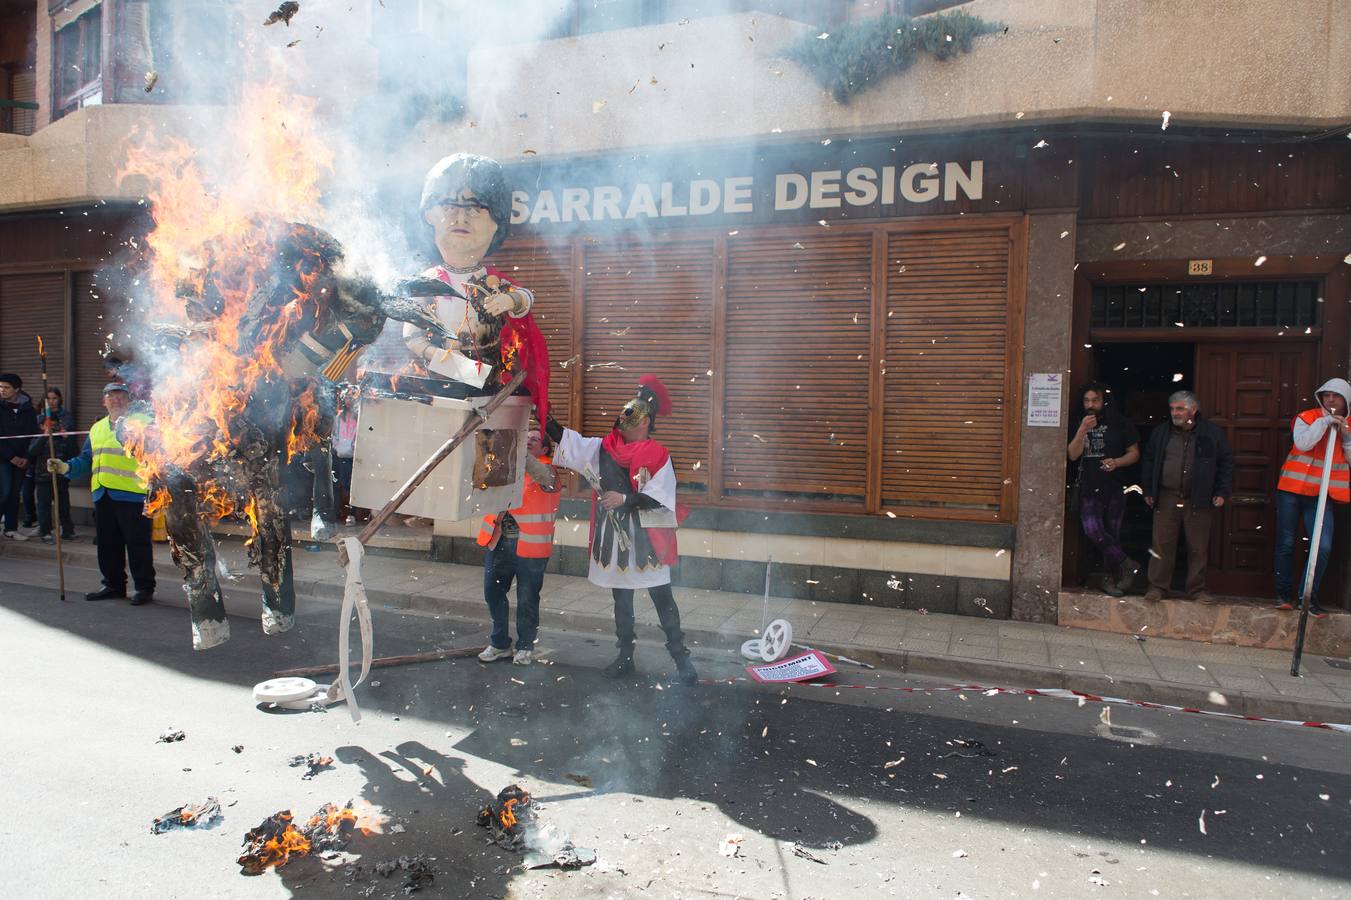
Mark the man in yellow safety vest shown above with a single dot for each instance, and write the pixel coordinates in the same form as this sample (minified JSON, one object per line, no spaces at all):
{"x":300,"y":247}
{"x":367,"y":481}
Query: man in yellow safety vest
{"x":519,"y":542}
{"x":120,"y":525}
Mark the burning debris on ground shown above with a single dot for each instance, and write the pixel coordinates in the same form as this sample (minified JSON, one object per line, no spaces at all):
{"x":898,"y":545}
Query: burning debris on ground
{"x":277,"y":840}
{"x":170,"y":736}
{"x":189,"y":815}
{"x":314,"y":761}
{"x":506,"y":816}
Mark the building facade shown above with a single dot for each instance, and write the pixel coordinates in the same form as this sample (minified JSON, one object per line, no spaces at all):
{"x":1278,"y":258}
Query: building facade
{"x":871,"y":314}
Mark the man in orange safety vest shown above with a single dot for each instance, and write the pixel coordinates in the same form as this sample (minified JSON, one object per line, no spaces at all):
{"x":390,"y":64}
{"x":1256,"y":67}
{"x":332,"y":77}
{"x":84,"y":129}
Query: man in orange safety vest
{"x":519,"y":542}
{"x":1299,"y":484}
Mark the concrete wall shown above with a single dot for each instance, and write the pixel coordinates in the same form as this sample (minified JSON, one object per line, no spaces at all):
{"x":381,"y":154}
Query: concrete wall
{"x":1284,"y":63}
{"x":1253,"y":236}
{"x":1041,"y":480}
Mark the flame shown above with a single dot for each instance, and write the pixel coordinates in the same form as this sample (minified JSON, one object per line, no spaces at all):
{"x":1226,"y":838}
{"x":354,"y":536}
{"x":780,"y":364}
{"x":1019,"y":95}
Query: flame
{"x":211,"y":238}
{"x":507,"y":817}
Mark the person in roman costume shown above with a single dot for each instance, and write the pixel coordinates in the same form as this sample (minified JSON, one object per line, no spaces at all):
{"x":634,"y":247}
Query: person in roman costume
{"x":633,"y":518}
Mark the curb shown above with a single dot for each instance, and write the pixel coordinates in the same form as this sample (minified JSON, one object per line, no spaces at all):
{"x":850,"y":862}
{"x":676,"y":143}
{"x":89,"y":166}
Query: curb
{"x":242,"y":599}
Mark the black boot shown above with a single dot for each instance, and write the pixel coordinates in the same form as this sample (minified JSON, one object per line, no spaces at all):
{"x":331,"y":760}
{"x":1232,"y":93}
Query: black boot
{"x":1126,"y":574}
{"x":623,"y":664}
{"x":686,"y":670}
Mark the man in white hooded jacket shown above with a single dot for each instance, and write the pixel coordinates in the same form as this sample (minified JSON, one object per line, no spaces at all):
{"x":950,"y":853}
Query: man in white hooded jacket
{"x":1300,"y":481}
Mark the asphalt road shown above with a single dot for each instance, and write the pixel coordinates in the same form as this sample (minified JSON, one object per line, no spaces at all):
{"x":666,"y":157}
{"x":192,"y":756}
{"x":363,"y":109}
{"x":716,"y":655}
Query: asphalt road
{"x":872,"y":786}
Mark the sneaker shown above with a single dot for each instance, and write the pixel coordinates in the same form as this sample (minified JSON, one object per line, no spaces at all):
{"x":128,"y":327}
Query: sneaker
{"x":1317,"y":611}
{"x":1153,"y":595}
{"x":47,"y":539}
{"x":523,"y":658}
{"x":493,"y":654}
{"x":1285,"y":602}
{"x":31,"y":524}
{"x":15,"y":536}
{"x":72,"y":536}
{"x":29,"y":530}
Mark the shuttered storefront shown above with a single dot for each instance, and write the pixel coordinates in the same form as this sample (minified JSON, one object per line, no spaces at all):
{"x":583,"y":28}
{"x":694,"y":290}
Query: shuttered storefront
{"x":33,"y":305}
{"x":95,"y":319}
{"x":858,"y":368}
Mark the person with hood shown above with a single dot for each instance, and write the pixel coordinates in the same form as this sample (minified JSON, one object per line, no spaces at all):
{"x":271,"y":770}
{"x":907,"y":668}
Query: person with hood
{"x":1300,"y":482}
{"x":1187,"y":473}
{"x":633,"y":518}
{"x":17,"y":421}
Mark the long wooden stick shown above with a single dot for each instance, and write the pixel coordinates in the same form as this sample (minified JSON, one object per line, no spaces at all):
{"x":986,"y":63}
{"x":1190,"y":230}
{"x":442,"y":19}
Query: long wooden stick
{"x":51,"y":454}
{"x":469,"y":427}
{"x":1311,"y":565}
{"x":385,"y":661}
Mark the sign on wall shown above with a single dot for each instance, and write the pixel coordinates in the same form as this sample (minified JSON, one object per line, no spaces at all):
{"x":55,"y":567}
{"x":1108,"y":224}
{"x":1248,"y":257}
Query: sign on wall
{"x":1043,"y":399}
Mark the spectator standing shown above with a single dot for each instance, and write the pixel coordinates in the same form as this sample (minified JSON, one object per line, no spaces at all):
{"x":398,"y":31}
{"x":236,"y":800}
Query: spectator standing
{"x":39,"y":451}
{"x":344,"y":448}
{"x":1106,"y":445}
{"x":17,"y":418}
{"x":1187,"y":474}
{"x":1300,"y":482}
{"x":519,"y":543}
{"x":121,"y":528}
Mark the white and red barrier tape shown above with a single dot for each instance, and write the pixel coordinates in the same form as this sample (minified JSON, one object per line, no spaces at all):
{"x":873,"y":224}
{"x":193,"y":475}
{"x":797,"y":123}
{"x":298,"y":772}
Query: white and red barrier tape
{"x":1058,"y":693}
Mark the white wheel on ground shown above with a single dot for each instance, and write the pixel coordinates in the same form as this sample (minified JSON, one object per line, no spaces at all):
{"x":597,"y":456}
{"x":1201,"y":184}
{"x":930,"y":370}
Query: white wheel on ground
{"x":283,"y":690}
{"x":778,"y":638}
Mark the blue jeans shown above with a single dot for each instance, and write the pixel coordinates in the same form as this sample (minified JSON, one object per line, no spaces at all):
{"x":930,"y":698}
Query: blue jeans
{"x":500,"y":567}
{"x":1289,"y":509}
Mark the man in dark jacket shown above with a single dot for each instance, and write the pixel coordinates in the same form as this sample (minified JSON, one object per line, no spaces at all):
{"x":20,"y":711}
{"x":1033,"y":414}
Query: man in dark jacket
{"x":54,"y":419}
{"x":17,"y":418}
{"x":1187,"y":474}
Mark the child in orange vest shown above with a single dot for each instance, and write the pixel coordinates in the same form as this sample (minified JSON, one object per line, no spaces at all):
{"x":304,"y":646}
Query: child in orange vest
{"x":1301,"y":477}
{"x":519,"y":542}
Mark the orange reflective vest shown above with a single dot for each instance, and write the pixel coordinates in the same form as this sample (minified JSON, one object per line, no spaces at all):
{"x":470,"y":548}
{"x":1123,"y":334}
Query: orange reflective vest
{"x":534,"y":517}
{"x":1302,"y":472}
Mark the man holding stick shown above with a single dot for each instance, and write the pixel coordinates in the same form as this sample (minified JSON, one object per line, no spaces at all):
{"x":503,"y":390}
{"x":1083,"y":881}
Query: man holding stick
{"x":633,"y":520}
{"x":1298,"y":488}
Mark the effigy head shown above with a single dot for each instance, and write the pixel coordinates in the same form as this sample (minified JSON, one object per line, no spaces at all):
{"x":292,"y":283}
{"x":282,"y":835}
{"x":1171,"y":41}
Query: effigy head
{"x":466,"y":200}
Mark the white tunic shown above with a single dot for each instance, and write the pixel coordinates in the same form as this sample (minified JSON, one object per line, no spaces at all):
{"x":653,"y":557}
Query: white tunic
{"x":581,"y":454}
{"x":456,"y":315}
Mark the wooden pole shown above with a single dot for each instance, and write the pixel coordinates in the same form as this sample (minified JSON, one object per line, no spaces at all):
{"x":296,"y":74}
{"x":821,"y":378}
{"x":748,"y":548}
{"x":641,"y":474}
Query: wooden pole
{"x":1311,"y":566}
{"x":384,"y":661}
{"x":56,"y":495}
{"x":469,"y":427}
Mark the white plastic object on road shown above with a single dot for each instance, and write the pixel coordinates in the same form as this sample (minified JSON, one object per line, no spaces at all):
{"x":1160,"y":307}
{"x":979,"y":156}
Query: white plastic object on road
{"x":773,"y":646}
{"x":283,"y":690}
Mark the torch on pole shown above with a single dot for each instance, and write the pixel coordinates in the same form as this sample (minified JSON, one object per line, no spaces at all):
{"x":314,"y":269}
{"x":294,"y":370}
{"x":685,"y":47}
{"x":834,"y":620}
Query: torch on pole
{"x":51,"y":454}
{"x":1311,"y":565}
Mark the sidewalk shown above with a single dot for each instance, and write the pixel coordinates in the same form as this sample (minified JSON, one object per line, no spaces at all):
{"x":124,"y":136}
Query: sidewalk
{"x":1243,"y":680}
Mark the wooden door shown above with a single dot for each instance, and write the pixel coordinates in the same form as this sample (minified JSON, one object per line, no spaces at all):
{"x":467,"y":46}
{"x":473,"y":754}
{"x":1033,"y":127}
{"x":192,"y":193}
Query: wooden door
{"x":1252,"y":391}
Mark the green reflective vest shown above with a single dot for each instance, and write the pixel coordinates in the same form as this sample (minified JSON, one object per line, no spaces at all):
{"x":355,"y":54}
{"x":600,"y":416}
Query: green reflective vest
{"x":112,"y":467}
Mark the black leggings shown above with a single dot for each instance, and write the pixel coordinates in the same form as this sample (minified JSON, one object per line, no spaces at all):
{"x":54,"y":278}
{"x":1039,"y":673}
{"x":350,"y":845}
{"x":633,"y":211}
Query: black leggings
{"x":667,"y":612}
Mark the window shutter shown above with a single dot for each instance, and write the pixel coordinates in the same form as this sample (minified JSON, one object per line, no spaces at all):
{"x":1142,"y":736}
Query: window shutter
{"x":648,"y":309}
{"x":795,"y":412}
{"x":95,"y":318}
{"x":32,"y":305}
{"x":945,"y":361}
{"x":545,"y":269}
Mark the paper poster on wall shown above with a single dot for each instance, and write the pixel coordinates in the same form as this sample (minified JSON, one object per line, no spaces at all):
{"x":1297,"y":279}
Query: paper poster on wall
{"x":1043,"y":399}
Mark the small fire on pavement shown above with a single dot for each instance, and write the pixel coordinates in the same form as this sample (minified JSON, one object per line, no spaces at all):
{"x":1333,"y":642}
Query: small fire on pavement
{"x":277,"y":840}
{"x":507,"y":816}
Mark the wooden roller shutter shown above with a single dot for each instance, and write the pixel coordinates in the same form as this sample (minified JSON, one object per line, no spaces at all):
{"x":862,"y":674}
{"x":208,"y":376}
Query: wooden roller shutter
{"x":946,"y":360}
{"x":648,"y":309}
{"x":795,"y":410}
{"x":96,"y":318}
{"x":546,"y":270}
{"x":32,"y":305}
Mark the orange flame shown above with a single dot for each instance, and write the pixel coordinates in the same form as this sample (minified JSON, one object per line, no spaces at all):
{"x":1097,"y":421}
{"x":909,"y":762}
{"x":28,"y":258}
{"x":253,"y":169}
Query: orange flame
{"x":278,"y":161}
